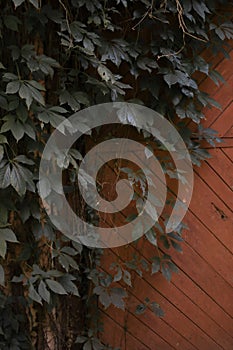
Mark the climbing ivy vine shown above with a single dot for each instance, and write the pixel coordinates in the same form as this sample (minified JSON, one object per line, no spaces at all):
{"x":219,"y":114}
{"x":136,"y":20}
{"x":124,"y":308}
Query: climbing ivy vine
{"x":57,"y":57}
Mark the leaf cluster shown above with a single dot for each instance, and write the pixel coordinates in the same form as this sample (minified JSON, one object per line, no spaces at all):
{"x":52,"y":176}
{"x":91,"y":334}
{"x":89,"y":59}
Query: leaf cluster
{"x":55,"y":59}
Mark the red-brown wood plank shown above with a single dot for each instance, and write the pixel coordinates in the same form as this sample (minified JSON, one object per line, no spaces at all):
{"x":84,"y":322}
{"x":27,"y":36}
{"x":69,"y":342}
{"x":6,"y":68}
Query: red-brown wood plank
{"x":216,"y":281}
{"x":204,"y":276}
{"x":224,"y":122}
{"x":216,"y":183}
{"x":201,"y":240}
{"x":161,"y":326}
{"x":198,"y":317}
{"x":229,"y":133}
{"x":177,"y":298}
{"x":184,"y":327}
{"x":174,"y":317}
{"x":139,"y":330}
{"x":229,"y":153}
{"x":199,"y":296}
{"x":222,"y":165}
{"x":212,"y":212}
{"x":116,"y":336}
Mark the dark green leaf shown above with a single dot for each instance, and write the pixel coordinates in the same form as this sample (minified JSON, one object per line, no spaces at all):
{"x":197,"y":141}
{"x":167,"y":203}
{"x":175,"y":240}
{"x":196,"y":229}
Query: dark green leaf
{"x":175,"y":236}
{"x":2,"y":276}
{"x":23,"y":159}
{"x":18,"y":2}
{"x":172,"y":266}
{"x":55,"y":287}
{"x":12,"y":22}
{"x":3,"y":139}
{"x":165,"y":241}
{"x":155,"y":265}
{"x":34,"y":295}
{"x":17,"y":130}
{"x":140,"y":309}
{"x":18,"y":181}
{"x":69,"y":251}
{"x":105,"y":298}
{"x":200,"y":8}
{"x":25,"y":93}
{"x":5,"y":176}
{"x":87,"y":345}
{"x":8,"y":235}
{"x":118,"y":275}
{"x":2,"y":247}
{"x":1,"y":153}
{"x":18,"y":279}
{"x":166,"y":271}
{"x":68,"y":285}
{"x":151,"y":236}
{"x":127,"y":278}
{"x":157,"y":309}
{"x":176,"y":246}
{"x":13,"y":87}
{"x":35,"y":3}
{"x":36,"y":94}
{"x":43,"y":292}
{"x":117,"y":297}
{"x":80,"y":339}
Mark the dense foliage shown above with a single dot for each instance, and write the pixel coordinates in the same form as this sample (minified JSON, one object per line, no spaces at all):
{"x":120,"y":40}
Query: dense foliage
{"x":57,"y":57}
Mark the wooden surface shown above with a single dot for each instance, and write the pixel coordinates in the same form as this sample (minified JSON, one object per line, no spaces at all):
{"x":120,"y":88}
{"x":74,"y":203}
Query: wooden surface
{"x":198,"y":302}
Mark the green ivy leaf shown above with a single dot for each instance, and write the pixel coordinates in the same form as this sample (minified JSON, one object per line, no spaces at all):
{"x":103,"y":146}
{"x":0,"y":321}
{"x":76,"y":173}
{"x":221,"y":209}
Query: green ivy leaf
{"x":8,"y":235}
{"x":117,"y":296}
{"x":176,"y":246}
{"x":140,"y":309}
{"x":30,"y":90}
{"x":127,"y":278}
{"x":3,"y":139}
{"x":200,"y":8}
{"x":17,"y":181}
{"x":166,"y":271}
{"x":35,"y":3}
{"x":87,"y":345}
{"x":155,"y":265}
{"x":34,"y":295}
{"x":2,"y":276}
{"x":13,"y":87}
{"x":25,"y":93}
{"x":12,"y":22}
{"x":23,"y":159}
{"x":157,"y":309}
{"x":87,"y":43}
{"x":43,"y":291}
{"x":118,"y":275}
{"x":18,"y":2}
{"x":1,"y":153}
{"x":2,"y":66}
{"x":175,"y":236}
{"x":5,"y":176}
{"x":3,"y":247}
{"x":55,"y":287}
{"x":151,"y":236}
{"x":69,"y":286}
{"x":81,"y":339}
{"x":18,"y":130}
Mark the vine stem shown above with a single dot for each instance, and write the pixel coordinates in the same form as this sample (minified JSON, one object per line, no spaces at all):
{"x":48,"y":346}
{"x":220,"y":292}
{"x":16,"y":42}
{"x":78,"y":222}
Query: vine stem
{"x":182,"y":22}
